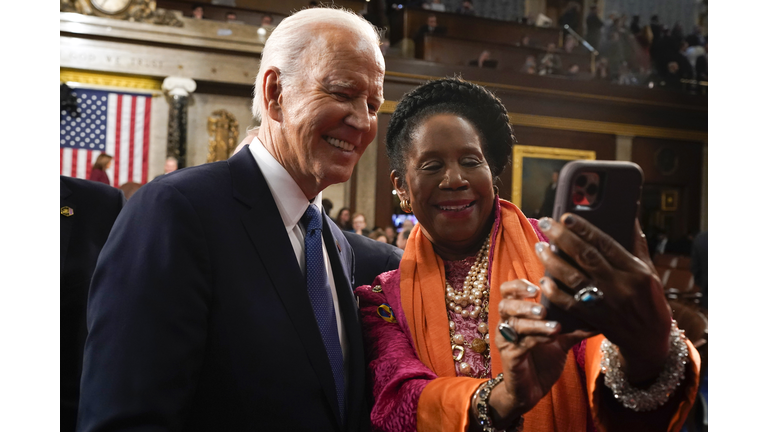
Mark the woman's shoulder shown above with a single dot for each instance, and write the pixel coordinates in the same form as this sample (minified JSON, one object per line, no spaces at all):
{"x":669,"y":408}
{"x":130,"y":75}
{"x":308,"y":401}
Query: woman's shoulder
{"x":384,"y":283}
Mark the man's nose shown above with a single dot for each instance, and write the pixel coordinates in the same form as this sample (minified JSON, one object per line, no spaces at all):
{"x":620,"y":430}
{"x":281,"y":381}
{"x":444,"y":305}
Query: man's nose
{"x":359,"y":116}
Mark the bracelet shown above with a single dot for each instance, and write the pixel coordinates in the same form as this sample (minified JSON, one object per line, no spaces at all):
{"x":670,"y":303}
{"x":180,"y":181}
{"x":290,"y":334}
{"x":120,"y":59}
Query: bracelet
{"x":482,"y":394}
{"x":660,"y":391}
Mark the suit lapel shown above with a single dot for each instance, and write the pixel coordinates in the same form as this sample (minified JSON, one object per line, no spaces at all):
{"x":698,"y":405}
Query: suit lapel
{"x":339,"y":253}
{"x":264,"y":226}
{"x":66,"y":223}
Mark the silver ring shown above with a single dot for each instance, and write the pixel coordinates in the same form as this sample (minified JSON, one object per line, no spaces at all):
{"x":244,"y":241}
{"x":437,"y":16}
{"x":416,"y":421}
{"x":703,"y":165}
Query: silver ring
{"x":589,"y":295}
{"x":509,"y":333}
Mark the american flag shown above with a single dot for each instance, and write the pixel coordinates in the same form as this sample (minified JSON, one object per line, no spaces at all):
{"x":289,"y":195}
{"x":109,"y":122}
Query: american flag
{"x":114,"y":123}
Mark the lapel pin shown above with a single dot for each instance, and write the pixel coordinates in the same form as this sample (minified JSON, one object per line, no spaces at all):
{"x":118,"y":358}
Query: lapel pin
{"x":338,"y":246}
{"x":67,"y":211}
{"x":385,"y":312}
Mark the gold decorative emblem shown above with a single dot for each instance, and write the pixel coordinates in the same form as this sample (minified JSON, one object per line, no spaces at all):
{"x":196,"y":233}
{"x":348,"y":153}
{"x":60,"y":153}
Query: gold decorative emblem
{"x":223,"y":134}
{"x":67,"y":211}
{"x":377,"y":289}
{"x":145,"y":11}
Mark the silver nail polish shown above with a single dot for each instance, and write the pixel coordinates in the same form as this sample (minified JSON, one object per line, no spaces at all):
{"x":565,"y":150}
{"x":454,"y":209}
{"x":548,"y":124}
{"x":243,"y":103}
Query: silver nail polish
{"x":551,"y":324}
{"x":540,"y":246}
{"x":545,"y":224}
{"x":531,"y":289}
{"x":536,"y":310}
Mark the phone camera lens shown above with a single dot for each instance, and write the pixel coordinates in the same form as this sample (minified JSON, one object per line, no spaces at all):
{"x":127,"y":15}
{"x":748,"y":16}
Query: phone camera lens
{"x":581,"y":181}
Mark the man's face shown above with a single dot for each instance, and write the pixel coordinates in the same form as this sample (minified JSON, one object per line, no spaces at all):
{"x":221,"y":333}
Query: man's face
{"x":329,"y":111}
{"x":432,"y":21}
{"x":197,"y":12}
{"x":170,"y":166}
{"x":358,"y":223}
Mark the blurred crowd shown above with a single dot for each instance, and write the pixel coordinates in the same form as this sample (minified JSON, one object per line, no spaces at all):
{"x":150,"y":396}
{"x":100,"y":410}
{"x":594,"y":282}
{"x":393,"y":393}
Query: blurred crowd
{"x":358,"y":224}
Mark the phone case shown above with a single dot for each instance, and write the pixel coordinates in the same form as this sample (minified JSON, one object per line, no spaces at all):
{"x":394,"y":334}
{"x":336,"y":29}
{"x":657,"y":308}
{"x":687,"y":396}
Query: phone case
{"x":612,"y":207}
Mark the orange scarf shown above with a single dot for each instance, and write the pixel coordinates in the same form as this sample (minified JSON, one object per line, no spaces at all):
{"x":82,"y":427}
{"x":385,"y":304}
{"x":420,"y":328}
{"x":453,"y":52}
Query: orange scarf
{"x":444,"y":403}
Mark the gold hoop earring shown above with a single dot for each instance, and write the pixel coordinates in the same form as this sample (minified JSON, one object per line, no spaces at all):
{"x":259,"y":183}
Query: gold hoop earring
{"x":406,"y":206}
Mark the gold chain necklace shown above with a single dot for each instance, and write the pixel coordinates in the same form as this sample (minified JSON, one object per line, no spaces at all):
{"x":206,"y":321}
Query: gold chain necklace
{"x":471,"y":302}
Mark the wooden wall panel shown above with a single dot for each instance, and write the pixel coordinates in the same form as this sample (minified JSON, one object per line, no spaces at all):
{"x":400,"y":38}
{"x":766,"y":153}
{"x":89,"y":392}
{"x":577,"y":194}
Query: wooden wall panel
{"x":384,"y":201}
{"x":603,"y":145}
{"x":652,"y":154}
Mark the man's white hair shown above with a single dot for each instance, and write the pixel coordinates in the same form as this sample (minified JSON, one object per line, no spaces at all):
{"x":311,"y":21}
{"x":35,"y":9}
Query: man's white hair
{"x":285,"y":47}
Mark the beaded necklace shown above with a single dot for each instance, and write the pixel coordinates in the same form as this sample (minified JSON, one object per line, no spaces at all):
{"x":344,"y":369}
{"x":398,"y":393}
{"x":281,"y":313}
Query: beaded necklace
{"x":471,"y":302}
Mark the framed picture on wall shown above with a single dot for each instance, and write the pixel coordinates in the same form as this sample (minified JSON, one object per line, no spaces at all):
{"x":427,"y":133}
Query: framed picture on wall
{"x":534,"y":176}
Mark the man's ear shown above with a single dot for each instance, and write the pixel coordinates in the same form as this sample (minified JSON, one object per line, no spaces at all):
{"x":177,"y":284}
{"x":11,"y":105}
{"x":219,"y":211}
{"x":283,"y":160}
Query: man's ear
{"x":399,"y":185}
{"x":272,"y":92}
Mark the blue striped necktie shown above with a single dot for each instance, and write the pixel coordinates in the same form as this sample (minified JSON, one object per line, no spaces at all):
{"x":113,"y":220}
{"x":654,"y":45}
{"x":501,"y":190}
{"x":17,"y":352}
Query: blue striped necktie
{"x":321,"y":298}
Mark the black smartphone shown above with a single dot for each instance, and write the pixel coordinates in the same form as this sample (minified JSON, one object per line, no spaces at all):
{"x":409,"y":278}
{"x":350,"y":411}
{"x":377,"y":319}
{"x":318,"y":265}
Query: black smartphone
{"x":607,"y":195}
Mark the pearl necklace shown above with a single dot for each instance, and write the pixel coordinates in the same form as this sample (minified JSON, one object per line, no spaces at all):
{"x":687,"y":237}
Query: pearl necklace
{"x":474,"y":295}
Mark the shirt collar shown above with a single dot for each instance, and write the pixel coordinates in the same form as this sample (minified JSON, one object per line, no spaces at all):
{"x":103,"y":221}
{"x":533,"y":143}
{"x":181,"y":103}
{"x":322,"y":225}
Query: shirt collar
{"x":290,"y":200}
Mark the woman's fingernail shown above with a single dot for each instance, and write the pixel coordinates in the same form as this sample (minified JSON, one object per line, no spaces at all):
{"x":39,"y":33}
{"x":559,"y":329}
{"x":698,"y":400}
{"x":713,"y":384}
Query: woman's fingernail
{"x":551,"y":324}
{"x":545,"y":224}
{"x":536,"y":310}
{"x":531,"y":289}
{"x":540,"y":246}
{"x":542,"y":281}
{"x":569,"y":220}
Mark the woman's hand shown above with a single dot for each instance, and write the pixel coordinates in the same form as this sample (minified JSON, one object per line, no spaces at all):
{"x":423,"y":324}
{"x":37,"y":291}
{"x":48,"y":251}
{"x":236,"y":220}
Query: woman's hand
{"x":532,"y":364}
{"x":633,"y":313}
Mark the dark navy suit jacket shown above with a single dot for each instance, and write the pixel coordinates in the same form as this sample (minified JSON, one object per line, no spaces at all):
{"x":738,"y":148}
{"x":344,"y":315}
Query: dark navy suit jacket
{"x":88,"y":211}
{"x":199,"y":317}
{"x":372,"y":258}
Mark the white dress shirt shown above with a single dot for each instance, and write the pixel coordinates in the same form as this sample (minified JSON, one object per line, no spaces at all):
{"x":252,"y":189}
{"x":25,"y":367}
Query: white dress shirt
{"x":292,"y":203}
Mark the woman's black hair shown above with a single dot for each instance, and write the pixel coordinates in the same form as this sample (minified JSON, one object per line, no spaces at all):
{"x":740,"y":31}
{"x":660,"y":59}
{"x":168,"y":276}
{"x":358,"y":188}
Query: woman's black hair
{"x":452,"y":96}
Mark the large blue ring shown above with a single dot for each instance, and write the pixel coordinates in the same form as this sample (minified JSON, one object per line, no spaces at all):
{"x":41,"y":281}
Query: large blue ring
{"x":589,"y":295}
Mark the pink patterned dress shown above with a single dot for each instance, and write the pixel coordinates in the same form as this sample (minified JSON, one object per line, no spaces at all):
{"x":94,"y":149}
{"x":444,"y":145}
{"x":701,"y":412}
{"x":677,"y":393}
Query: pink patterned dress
{"x":395,"y":374}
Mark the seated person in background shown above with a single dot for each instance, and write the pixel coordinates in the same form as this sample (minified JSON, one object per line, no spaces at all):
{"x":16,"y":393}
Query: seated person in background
{"x":601,"y":69}
{"x":197,"y":12}
{"x":466,"y":8}
{"x":573,"y":71}
{"x":570,"y":44}
{"x":484,"y":60}
{"x":434,"y":355}
{"x":379,"y":235}
{"x":171,"y":164}
{"x":702,"y":65}
{"x":344,"y":219}
{"x":677,"y":71}
{"x":359,"y":224}
{"x":550,"y":63}
{"x":402,"y":238}
{"x":391,"y":234}
{"x":430,"y":28}
{"x":266,"y":20}
{"x":232,"y":17}
{"x":529,"y":67}
{"x":626,"y":77}
{"x":525,"y":41}
{"x":437,"y":6}
{"x":129,"y":189}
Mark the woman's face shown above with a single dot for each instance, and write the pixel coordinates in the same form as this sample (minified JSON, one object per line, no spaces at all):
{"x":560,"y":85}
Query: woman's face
{"x":344,"y":216}
{"x":449,"y":183}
